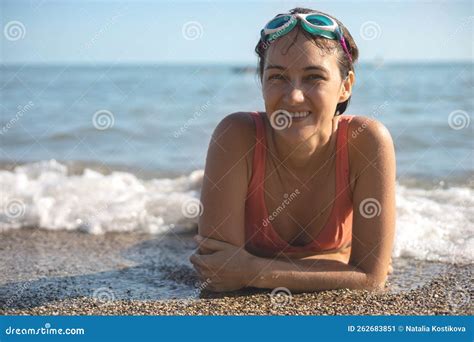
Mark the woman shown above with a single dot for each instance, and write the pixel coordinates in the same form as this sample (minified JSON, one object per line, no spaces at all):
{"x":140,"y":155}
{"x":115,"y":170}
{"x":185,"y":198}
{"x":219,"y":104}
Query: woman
{"x":300,"y":196}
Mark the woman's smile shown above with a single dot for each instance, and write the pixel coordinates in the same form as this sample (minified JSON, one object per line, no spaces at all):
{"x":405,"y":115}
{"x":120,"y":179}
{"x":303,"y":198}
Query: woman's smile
{"x":282,"y":116}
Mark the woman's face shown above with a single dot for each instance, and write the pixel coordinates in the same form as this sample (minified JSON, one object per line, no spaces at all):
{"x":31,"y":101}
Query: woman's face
{"x":302,"y":78}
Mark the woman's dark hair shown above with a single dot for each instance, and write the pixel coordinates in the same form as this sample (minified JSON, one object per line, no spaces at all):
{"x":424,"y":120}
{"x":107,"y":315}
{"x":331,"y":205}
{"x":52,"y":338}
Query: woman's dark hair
{"x":343,"y":62}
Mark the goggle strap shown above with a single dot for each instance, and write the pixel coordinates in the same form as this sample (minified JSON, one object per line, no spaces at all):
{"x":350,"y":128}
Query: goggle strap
{"x":263,"y":38}
{"x":344,"y":46}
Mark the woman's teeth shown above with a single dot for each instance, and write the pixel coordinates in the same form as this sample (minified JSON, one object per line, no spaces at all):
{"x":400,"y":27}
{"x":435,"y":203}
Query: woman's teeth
{"x":299,"y":114}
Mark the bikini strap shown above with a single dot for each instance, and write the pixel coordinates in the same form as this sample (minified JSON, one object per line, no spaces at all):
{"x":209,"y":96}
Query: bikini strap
{"x":343,"y":174}
{"x":259,"y":152}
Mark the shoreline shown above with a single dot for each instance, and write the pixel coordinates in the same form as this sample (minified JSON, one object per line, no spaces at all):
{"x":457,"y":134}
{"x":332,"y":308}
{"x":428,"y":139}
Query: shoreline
{"x":72,"y":273}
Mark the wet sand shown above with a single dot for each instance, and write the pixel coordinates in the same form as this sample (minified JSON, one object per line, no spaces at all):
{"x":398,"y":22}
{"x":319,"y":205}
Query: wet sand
{"x":72,"y":273}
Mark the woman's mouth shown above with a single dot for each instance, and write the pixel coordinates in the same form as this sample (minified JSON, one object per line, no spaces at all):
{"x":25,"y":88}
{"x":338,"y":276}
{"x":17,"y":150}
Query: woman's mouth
{"x":281,"y":118}
{"x":298,"y":116}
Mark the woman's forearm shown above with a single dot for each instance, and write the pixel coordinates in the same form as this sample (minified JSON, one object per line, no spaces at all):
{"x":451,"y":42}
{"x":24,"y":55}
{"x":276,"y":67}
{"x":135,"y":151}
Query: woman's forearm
{"x":307,"y":275}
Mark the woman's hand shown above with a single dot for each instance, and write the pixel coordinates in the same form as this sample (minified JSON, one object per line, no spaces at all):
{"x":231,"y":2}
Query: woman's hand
{"x":227,"y":268}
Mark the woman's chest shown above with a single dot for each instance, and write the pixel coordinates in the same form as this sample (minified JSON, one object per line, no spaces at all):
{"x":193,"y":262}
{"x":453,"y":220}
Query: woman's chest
{"x":297,"y":208}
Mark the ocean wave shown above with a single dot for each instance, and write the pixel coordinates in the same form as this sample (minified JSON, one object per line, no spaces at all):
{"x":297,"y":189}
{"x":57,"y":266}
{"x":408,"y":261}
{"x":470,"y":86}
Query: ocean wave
{"x":435,"y":224}
{"x":432,"y":224}
{"x":44,"y":195}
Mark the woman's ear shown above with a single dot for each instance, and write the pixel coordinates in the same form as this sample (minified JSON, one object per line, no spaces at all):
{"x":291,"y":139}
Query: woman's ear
{"x":346,"y":87}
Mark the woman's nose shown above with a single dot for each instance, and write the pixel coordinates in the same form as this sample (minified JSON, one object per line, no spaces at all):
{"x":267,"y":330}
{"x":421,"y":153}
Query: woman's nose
{"x":295,"y":95}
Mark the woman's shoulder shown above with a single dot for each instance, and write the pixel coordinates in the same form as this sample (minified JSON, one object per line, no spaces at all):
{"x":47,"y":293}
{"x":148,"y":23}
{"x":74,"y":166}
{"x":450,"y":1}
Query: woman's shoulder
{"x":240,"y":119}
{"x":235,"y":136}
{"x":363,"y":129}
{"x":237,"y":128}
{"x":366,"y":137}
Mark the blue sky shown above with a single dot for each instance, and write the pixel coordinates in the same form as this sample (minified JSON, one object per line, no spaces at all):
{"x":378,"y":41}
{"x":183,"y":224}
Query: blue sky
{"x":224,"y":32}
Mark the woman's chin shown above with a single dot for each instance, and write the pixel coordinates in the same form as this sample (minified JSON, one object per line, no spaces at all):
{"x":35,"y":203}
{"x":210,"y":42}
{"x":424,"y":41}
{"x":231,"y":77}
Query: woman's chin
{"x":300,"y":120}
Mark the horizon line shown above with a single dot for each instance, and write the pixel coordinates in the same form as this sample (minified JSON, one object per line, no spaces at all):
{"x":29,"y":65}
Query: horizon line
{"x":220,"y":63}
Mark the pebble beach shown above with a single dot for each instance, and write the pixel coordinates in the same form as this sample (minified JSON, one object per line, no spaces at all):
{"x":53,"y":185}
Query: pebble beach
{"x":72,"y":273}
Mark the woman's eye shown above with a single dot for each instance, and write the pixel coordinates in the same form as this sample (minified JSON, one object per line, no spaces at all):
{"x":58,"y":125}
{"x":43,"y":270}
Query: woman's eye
{"x":314,"y":77}
{"x":276,"y":77}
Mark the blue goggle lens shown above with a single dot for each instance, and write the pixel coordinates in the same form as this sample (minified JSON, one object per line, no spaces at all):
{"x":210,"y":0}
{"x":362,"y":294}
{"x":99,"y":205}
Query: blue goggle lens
{"x":319,"y":20}
{"x":278,"y":22}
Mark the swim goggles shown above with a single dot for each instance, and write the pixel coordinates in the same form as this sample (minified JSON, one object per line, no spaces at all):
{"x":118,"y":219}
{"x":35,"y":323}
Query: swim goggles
{"x":315,"y":23}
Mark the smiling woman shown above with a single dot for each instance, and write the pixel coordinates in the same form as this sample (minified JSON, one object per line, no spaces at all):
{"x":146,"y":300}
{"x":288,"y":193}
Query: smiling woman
{"x":291,"y":198}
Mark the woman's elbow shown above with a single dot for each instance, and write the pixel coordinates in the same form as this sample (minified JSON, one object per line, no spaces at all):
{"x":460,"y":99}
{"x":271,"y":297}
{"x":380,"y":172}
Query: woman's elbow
{"x":374,"y":282}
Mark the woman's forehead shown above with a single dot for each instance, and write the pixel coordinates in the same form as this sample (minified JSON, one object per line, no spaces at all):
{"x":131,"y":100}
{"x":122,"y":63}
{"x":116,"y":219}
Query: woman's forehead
{"x":299,"y":53}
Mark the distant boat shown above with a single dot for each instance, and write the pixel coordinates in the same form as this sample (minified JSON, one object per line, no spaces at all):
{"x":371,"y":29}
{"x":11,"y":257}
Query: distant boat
{"x":244,"y":70}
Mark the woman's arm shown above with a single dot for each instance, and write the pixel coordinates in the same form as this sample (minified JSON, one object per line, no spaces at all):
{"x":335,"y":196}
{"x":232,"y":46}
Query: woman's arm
{"x":306,"y":275}
{"x":372,"y":234}
{"x":372,"y":231}
{"x":229,"y":268}
{"x":225,"y":180}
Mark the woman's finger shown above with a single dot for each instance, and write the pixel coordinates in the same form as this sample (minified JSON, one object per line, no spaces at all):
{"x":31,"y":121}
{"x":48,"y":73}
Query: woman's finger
{"x":213,"y":287}
{"x":216,"y":288}
{"x":207,"y":274}
{"x":198,"y":268}
{"x":203,"y":274}
{"x":202,"y":277}
{"x":212,"y":244}
{"x":205,"y":279}
{"x":205,"y":251}
{"x":200,"y":260}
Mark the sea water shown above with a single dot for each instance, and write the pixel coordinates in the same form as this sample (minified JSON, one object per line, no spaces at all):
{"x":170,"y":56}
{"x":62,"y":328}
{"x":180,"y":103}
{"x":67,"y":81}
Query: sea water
{"x":122,"y":147}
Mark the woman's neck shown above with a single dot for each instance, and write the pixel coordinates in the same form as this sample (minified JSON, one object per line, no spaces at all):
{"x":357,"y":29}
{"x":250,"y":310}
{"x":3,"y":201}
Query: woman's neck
{"x":303,"y":155}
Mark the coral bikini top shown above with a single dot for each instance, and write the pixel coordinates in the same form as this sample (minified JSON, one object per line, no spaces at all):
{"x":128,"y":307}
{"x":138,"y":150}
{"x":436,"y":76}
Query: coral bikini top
{"x":260,"y":236}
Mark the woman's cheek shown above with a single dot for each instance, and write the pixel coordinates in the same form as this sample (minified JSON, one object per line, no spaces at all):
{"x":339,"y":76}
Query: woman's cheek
{"x":270,"y":93}
{"x":319,"y":94}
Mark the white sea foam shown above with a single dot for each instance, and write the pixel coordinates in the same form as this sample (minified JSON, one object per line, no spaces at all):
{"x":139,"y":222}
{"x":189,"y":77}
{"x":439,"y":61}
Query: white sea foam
{"x":435,"y":224}
{"x":431,"y":224}
{"x":44,"y":195}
